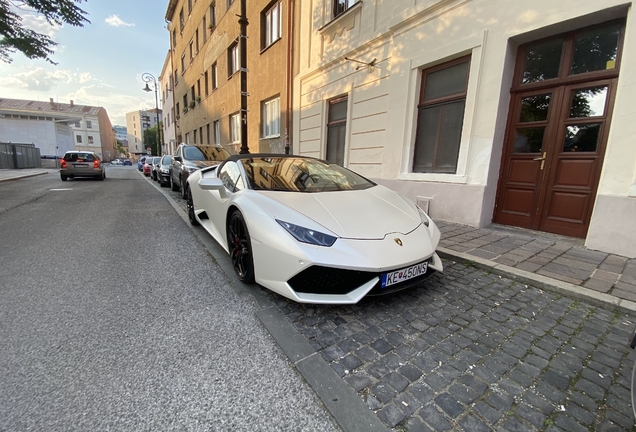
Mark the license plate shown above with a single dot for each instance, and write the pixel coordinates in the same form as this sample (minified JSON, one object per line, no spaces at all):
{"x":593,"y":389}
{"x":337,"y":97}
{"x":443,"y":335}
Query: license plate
{"x":404,"y":274}
{"x":80,"y":165}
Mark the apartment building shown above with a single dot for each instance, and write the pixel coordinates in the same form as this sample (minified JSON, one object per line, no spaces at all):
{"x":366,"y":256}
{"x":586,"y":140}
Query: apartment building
{"x":481,"y":111}
{"x":58,"y":127}
{"x":166,"y":83}
{"x":205,"y":48}
{"x":136,"y":123}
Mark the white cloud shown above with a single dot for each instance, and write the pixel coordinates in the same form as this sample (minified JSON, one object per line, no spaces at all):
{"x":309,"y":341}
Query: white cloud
{"x":43,"y":80}
{"x":39,"y":24}
{"x":115,"y":21}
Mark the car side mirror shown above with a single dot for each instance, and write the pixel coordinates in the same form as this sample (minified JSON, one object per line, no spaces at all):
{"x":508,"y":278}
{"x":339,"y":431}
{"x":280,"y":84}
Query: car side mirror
{"x":177,"y":158}
{"x":210,"y":184}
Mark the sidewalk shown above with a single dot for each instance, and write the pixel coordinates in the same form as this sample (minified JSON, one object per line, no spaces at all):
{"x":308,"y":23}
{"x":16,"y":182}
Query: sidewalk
{"x":543,"y":259}
{"x":13,"y":174}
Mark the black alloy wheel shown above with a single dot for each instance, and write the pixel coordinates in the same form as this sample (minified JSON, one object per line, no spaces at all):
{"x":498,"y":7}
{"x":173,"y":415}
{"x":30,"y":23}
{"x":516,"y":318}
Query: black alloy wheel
{"x":190,"y":207}
{"x":240,"y":247}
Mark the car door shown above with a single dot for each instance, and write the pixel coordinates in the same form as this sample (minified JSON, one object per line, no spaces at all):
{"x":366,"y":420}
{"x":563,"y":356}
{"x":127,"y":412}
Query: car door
{"x":218,"y":202}
{"x":175,"y":165}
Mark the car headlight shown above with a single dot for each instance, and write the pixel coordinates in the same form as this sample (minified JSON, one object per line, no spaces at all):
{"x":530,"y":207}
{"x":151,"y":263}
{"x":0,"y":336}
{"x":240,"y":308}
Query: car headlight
{"x":425,"y":219}
{"x":191,"y":169}
{"x":306,"y":235}
{"x":164,"y":170}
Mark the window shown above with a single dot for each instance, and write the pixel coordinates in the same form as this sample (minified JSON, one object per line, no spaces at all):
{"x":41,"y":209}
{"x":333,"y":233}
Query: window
{"x":271,"y":25}
{"x":189,"y":7}
{"x":187,"y":138}
{"x":176,"y":76}
{"x":199,"y":89}
{"x":177,"y":109}
{"x":215,"y":82}
{"x":181,"y":21}
{"x":229,"y":3}
{"x":205,"y":30}
{"x":235,"y":128}
{"x":271,"y":118}
{"x":89,"y":124}
{"x":206,"y":86}
{"x":90,"y":139}
{"x":194,"y":96}
{"x":185,"y":102}
{"x":174,"y":37}
{"x":340,"y":6}
{"x":212,"y":24}
{"x":78,"y":138}
{"x":183,"y":64}
{"x":217,"y":132}
{"x":194,"y":137}
{"x":207,"y":133}
{"x":191,"y":46}
{"x":233,"y":62}
{"x":196,"y":41}
{"x":77,"y":124}
{"x":440,"y":117}
{"x":336,"y":130}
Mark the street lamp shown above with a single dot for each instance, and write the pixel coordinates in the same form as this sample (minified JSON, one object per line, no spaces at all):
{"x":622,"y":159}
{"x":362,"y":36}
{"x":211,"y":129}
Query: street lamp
{"x":148,"y":78}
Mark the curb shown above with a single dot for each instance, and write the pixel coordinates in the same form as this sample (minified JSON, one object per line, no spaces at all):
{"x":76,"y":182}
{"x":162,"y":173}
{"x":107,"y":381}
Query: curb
{"x":345,"y":406}
{"x":18,"y":177}
{"x":606,"y":301}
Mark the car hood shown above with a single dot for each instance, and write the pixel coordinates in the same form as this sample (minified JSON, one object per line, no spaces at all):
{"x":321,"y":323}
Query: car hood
{"x":366,"y":214}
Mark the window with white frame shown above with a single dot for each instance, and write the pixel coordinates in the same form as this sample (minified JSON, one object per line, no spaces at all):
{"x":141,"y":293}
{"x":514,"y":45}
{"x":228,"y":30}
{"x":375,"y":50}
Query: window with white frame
{"x":233,"y":60}
{"x":90,"y":139}
{"x":183,"y":64}
{"x":77,"y":124}
{"x":235,"y":127}
{"x":78,"y":138}
{"x":89,"y":124}
{"x":270,"y":115}
{"x":217,"y":132}
{"x":271,"y":24}
{"x":187,"y":138}
{"x":440,"y":117}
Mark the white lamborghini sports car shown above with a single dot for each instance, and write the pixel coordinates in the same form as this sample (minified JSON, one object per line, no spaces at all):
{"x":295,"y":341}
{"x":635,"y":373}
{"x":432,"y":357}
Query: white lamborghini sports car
{"x":312,"y":231}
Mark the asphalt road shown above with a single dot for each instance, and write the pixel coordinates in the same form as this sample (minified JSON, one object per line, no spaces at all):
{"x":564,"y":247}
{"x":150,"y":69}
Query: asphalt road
{"x":113,"y":316}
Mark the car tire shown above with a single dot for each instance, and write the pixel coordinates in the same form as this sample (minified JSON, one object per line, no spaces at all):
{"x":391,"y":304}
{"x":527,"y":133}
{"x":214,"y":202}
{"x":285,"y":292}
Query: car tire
{"x":63,"y":177}
{"x":190,"y":207}
{"x":173,"y":186}
{"x":240,"y":247}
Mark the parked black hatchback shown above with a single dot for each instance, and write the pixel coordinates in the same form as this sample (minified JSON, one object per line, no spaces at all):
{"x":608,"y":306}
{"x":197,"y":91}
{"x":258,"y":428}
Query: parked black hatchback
{"x":190,"y":157}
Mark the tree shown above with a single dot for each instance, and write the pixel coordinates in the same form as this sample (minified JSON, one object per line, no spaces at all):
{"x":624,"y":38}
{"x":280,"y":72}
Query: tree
{"x":150,"y":139}
{"x":15,"y":37}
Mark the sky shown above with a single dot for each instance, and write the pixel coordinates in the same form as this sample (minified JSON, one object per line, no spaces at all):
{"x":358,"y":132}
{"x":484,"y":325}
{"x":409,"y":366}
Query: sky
{"x":99,"y":64}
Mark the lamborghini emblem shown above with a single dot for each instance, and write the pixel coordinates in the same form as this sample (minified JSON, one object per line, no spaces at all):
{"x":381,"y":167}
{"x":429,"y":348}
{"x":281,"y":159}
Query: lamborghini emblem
{"x":398,"y":241}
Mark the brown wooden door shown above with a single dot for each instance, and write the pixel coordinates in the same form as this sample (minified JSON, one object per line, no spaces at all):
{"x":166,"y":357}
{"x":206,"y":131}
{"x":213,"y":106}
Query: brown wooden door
{"x":558,"y":125}
{"x":555,"y":144}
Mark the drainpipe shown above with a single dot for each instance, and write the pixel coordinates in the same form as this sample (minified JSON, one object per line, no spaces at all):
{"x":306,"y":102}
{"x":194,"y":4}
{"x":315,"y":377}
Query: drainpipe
{"x":288,"y":108}
{"x":243,"y":51}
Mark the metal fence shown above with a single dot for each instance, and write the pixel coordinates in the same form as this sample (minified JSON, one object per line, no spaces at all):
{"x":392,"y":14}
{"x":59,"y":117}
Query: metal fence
{"x":14,"y":156}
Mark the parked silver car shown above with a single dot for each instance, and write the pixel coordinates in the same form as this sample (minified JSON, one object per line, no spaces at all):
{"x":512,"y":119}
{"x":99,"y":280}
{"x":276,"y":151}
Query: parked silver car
{"x":82,"y":164}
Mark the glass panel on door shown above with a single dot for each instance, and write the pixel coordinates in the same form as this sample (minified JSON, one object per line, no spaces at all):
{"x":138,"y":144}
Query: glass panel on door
{"x":588,"y":102}
{"x":529,"y":140}
{"x":534,"y":108}
{"x":542,"y":61}
{"x":581,"y":138}
{"x":596,"y":49}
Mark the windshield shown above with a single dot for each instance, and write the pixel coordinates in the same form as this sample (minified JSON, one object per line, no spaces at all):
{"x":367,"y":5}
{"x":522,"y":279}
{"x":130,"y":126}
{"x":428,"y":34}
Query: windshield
{"x":301,"y":175}
{"x":205,"y":153}
{"x":78,"y":157}
{"x":166,"y":160}
{"x":156,"y":160}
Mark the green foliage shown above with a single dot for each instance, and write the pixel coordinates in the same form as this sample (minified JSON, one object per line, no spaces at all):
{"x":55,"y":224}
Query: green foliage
{"x":150,"y":139}
{"x":15,"y":37}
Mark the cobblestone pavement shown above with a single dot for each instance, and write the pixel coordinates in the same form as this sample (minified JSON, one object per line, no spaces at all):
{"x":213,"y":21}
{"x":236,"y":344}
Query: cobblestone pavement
{"x":470,"y":350}
{"x":557,"y":257}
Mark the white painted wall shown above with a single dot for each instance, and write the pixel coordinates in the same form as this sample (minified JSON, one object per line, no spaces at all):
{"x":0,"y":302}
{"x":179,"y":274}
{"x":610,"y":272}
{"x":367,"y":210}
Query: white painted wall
{"x":406,"y":36}
{"x":46,"y":135}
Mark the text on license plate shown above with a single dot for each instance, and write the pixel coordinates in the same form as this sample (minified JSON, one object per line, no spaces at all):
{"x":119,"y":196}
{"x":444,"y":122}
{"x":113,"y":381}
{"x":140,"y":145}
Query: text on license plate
{"x":80,"y":165}
{"x":402,"y":275}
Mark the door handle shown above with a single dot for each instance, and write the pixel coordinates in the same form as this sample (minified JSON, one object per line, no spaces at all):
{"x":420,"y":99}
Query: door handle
{"x":542,"y":159}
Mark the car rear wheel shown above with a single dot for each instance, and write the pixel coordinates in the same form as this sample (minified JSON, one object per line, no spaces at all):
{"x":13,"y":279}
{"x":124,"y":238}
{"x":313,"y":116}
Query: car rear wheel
{"x":190,"y":207}
{"x":240,"y":247}
{"x":63,"y":177}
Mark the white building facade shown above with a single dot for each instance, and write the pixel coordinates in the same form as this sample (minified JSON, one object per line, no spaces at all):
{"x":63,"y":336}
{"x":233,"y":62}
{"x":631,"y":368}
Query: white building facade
{"x":481,"y":111}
